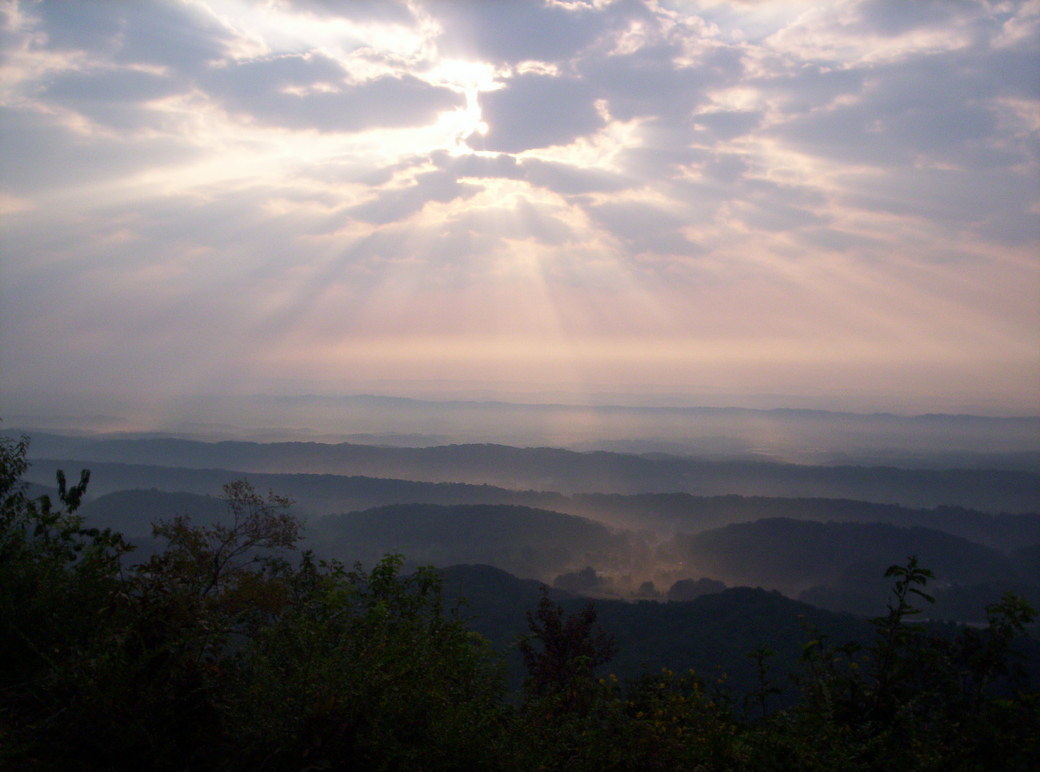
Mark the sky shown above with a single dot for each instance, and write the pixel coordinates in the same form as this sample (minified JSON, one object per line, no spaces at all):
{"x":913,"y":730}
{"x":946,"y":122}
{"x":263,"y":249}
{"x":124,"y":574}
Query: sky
{"x":725,"y":201}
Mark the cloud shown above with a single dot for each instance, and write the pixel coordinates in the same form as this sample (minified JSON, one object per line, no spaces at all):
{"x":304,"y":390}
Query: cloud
{"x":312,"y":92}
{"x":643,"y":227}
{"x":39,"y":155}
{"x":727,"y":124}
{"x":724,"y":168}
{"x":114,"y":99}
{"x":995,"y":202}
{"x":382,"y":11}
{"x":808,"y":86}
{"x":399,"y":203}
{"x":892,"y":18}
{"x":569,"y":179}
{"x":513,"y":31}
{"x":648,"y":82}
{"x":183,"y":37}
{"x":471,"y":165}
{"x":938,"y":107}
{"x":691,"y":172}
{"x":536,"y":111}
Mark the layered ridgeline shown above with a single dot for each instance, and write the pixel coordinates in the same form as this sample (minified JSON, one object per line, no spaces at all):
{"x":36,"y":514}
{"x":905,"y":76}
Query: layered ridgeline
{"x":986,"y":486}
{"x":804,"y":436}
{"x":836,"y":565}
{"x":664,"y":513}
{"x":661,"y":543}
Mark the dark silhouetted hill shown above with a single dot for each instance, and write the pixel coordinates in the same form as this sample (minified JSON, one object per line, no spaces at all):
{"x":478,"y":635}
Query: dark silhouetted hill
{"x":132,"y":512}
{"x":792,"y":555}
{"x":713,"y":634}
{"x":526,"y":541}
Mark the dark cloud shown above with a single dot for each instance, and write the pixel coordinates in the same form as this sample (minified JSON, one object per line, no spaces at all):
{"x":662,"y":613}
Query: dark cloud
{"x":111,"y":97}
{"x":647,"y":82}
{"x":502,"y":166}
{"x":508,"y":31}
{"x":724,"y":168}
{"x":182,"y":37}
{"x":727,"y":124}
{"x":386,"y":11}
{"x":538,"y":111}
{"x":933,"y":82}
{"x":1008,"y":72}
{"x":261,"y":91}
{"x":849,"y":134}
{"x":571,"y":180}
{"x":996,"y":202}
{"x":37,"y":154}
{"x":111,"y":86}
{"x":644,"y":227}
{"x":81,"y":26}
{"x":897,"y":17}
{"x":940,"y":107}
{"x":810,"y":85}
{"x":275,"y":73}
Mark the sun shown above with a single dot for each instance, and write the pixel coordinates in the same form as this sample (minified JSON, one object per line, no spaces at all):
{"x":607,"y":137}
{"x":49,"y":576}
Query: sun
{"x":469,"y":78}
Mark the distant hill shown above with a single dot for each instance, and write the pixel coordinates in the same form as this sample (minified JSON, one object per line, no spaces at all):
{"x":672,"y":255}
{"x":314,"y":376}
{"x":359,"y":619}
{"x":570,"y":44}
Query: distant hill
{"x":831,"y":565}
{"x":553,"y":469}
{"x":526,"y":541}
{"x":801,"y":435}
{"x":315,"y":494}
{"x":665,"y":514}
{"x":713,"y":634}
{"x":683,"y":512}
{"x":793,"y":556}
{"x":132,"y":512}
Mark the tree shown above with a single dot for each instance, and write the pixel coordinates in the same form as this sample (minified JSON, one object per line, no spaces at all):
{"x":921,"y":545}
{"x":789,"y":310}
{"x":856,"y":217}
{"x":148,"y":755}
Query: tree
{"x":895,"y":669}
{"x":226,"y":576}
{"x":572,"y":647}
{"x":920,"y":697}
{"x":367,"y":669}
{"x":56,"y":579}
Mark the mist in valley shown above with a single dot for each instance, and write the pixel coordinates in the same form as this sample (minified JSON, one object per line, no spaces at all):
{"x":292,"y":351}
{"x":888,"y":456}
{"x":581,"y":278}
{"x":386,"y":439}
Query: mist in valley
{"x":611,"y":501}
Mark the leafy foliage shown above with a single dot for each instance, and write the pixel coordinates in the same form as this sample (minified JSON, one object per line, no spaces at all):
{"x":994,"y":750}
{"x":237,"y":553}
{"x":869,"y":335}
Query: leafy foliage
{"x":57,"y":579}
{"x":366,"y":669}
{"x":918,"y":700}
{"x":571,"y":649}
{"x":218,"y":653}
